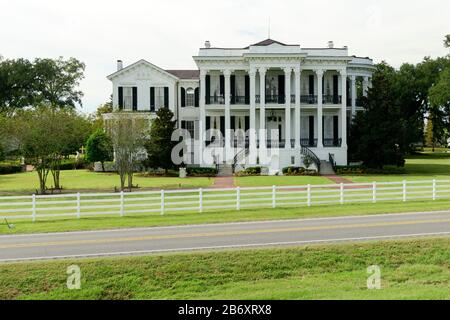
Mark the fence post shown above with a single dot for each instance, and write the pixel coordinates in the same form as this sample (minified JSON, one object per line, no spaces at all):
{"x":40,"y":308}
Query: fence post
{"x":33,"y":207}
{"x":274,"y":199}
{"x":121,"y":203}
{"x":342,"y":193}
{"x":78,"y":205}
{"x":374,"y":192}
{"x":200,"y":200}
{"x":238,"y":198}
{"x":308,"y":196}
{"x":162,"y":202}
{"x":434,"y":189}
{"x":404,"y":190}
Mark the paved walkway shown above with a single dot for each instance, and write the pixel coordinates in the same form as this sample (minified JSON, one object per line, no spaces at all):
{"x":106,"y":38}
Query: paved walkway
{"x":337,"y":179}
{"x":223,"y":182}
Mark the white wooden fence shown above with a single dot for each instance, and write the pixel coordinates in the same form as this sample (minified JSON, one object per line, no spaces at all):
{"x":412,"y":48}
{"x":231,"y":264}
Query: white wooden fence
{"x":199,"y":200}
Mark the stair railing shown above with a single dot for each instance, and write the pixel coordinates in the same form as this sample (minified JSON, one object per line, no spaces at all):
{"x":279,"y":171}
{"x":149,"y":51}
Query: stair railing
{"x":332,"y":161}
{"x":307,"y":152}
{"x":239,"y":156}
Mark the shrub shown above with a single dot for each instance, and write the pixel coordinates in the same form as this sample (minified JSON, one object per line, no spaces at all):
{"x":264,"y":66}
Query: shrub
{"x":365,"y":170}
{"x":298,"y":171}
{"x":201,"y":172}
{"x":6,"y":168}
{"x":71,"y":164}
{"x":250,"y":171}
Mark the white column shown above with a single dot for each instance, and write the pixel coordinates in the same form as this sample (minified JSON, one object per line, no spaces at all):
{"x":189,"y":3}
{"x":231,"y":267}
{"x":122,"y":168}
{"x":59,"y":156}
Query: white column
{"x":365,"y":86}
{"x":227,"y":74}
{"x":353,"y":81}
{"x":287,"y":92}
{"x":297,"y":107}
{"x":262,"y":111}
{"x":344,"y":108}
{"x":319,"y":74}
{"x":252,"y":133}
{"x":202,"y":120}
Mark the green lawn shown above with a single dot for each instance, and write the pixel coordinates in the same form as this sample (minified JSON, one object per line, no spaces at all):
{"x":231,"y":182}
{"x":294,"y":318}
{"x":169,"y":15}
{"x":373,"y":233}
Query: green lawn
{"x":218,"y":216}
{"x":424,"y":166}
{"x":409,"y":270}
{"x":87,"y":180}
{"x":261,"y":181}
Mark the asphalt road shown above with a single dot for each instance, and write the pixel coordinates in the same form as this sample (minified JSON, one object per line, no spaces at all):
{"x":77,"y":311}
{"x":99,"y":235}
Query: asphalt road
{"x":221,"y":236}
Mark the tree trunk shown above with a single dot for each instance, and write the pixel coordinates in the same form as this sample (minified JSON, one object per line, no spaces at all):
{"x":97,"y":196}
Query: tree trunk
{"x":103,"y":166}
{"x":130,"y":180}
{"x":122,"y":181}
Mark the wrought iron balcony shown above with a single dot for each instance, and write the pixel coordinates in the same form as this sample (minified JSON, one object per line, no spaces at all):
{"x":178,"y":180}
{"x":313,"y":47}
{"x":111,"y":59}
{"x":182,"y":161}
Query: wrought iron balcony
{"x":308,"y":99}
{"x":332,"y":142}
{"x":240,"y":100}
{"x":292,"y":98}
{"x":312,"y":143}
{"x":216,"y":100}
{"x":280,"y":99}
{"x":332,"y":99}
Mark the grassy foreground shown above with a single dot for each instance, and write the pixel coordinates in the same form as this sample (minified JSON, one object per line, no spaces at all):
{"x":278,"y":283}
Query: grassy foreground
{"x":92,"y":181}
{"x":180,"y":218}
{"x":417,"y":269}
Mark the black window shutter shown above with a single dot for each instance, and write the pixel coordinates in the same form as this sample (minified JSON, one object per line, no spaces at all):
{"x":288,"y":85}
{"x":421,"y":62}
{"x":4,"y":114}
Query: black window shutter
{"x":323,"y":127}
{"x":222,"y":125}
{"x":166,"y":97}
{"x":335,"y":129}
{"x":207,"y":89}
{"x":152,"y":98}
{"x":311,"y":84}
{"x":281,"y":91}
{"x":183,"y":97}
{"x":247,"y":123}
{"x":196,"y":97}
{"x":208,"y":123}
{"x":233,"y":123}
{"x":183,"y":124}
{"x":120,"y":98}
{"x":247,"y":89}
{"x":335,"y":85}
{"x":233,"y":88}
{"x":222,"y":85}
{"x":134,"y":98}
{"x":311,"y":130}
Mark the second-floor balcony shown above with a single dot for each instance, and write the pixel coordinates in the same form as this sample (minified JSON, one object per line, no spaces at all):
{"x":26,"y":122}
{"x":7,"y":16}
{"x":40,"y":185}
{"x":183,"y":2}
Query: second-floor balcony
{"x":331,"y":99}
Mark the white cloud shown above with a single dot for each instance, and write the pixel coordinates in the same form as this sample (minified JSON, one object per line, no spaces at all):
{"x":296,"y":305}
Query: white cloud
{"x":168,"y":33}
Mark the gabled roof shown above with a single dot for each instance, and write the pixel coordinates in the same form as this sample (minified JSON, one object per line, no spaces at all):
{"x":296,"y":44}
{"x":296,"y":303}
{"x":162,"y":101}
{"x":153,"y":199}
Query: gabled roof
{"x":185,"y":74}
{"x":267,"y":42}
{"x":118,"y":72}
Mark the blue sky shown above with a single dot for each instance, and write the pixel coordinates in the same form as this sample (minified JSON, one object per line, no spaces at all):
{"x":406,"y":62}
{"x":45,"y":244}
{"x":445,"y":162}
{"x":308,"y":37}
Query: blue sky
{"x":168,"y":33}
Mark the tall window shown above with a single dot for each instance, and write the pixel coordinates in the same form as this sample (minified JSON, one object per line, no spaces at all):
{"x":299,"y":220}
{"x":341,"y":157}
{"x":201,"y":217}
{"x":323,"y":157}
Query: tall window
{"x":190,"y":97}
{"x":190,"y":128}
{"x":128,"y":98}
{"x":159,"y":97}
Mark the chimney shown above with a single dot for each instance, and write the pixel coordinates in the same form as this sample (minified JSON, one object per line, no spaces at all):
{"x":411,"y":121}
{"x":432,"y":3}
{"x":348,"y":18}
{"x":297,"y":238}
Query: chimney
{"x":330,"y":44}
{"x":119,"y":65}
{"x":207,"y":44}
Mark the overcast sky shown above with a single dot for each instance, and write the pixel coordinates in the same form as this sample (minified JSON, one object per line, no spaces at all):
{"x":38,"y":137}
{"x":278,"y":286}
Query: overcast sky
{"x":169,"y":32}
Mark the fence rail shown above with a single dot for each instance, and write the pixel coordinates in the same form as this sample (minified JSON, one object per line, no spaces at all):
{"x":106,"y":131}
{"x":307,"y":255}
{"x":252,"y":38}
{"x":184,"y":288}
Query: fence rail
{"x":199,"y":200}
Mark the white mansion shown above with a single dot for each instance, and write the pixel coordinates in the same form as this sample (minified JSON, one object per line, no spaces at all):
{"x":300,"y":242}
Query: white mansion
{"x":268,"y":95}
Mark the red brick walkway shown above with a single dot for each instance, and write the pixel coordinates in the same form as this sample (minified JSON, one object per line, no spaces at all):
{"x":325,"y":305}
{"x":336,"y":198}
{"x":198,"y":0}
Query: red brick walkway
{"x":337,"y":179}
{"x":223,"y":182}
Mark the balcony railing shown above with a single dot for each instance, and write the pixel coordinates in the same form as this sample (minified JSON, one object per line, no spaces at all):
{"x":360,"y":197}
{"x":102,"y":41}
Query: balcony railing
{"x":271,"y":98}
{"x":240,"y":100}
{"x":312,"y":143}
{"x":216,"y":100}
{"x":308,"y":99}
{"x":292,"y":98}
{"x":332,"y":99}
{"x":332,"y":142}
{"x":359,"y":102}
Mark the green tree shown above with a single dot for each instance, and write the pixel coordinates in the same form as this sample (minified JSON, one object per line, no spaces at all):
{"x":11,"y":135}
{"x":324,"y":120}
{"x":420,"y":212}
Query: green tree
{"x":159,"y":144}
{"x":97,"y":117}
{"x":99,"y":148}
{"x":378,"y":136}
{"x":447,"y":41}
{"x":127,"y":135}
{"x":53,"y":82}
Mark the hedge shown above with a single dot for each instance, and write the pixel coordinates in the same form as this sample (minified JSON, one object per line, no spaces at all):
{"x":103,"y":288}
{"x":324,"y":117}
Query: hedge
{"x":201,"y":172}
{"x":364,"y":170}
{"x":250,"y":171}
{"x":298,"y":171}
{"x":10,"y":168}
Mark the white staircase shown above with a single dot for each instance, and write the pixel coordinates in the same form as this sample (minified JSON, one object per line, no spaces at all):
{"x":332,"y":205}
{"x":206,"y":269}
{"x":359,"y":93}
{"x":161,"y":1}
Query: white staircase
{"x":225,"y":170}
{"x":326,"y":168}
